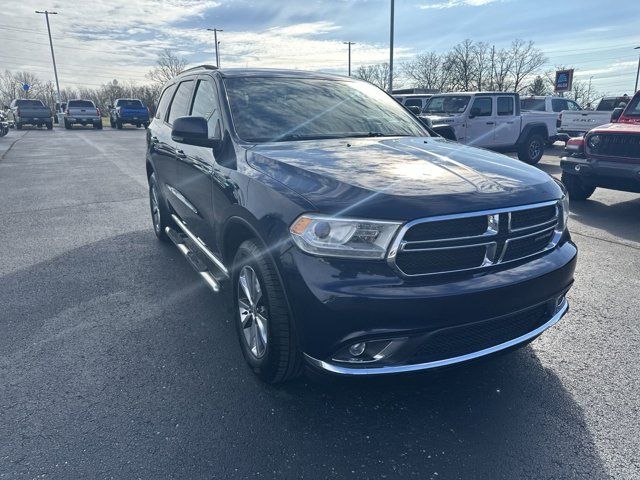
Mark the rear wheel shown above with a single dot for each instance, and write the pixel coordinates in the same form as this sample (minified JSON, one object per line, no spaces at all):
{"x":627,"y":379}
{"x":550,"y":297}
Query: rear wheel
{"x":576,"y":187}
{"x":263,"y":323}
{"x":112,"y":123}
{"x":18,"y":126}
{"x":50,"y":125}
{"x":67,"y":125}
{"x":97,"y":126}
{"x":532,"y":149}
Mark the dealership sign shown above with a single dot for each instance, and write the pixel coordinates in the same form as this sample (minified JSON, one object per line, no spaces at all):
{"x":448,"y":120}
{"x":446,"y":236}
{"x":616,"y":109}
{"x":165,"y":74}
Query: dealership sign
{"x":564,"y":80}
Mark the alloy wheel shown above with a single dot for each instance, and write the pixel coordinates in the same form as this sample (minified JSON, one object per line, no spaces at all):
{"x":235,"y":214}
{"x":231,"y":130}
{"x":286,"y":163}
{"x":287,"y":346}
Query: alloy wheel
{"x":253,"y":313}
{"x":155,"y":208}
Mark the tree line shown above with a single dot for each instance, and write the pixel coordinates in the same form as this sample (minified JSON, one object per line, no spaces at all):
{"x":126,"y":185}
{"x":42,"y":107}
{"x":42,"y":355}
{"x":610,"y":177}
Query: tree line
{"x":479,"y":66}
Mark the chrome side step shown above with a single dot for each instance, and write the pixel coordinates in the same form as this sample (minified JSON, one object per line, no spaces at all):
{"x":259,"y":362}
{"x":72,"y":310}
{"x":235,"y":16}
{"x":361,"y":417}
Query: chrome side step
{"x":201,"y":246}
{"x":193,"y":258}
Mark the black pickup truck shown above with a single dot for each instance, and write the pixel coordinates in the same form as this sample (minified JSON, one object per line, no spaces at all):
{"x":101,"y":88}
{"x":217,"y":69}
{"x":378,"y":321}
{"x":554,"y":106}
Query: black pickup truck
{"x":350,"y":238}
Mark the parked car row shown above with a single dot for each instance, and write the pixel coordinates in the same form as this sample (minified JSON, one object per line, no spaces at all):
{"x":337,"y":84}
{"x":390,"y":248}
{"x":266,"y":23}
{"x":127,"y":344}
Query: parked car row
{"x":76,"y":112}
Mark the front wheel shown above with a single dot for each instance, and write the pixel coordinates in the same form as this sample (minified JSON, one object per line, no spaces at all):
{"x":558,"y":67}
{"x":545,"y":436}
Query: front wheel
{"x":159,"y":212}
{"x":50,"y":126}
{"x":263,"y":323}
{"x":532,"y":149}
{"x":576,"y":187}
{"x":112,"y":123}
{"x":97,"y":126}
{"x":118,"y":124}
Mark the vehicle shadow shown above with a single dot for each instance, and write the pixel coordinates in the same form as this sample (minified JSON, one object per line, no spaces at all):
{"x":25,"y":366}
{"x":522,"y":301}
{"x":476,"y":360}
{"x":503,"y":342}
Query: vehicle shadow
{"x":115,"y":357}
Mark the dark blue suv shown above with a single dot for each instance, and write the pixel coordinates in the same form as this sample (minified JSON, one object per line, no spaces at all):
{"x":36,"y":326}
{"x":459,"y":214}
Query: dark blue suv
{"x":352,"y":239}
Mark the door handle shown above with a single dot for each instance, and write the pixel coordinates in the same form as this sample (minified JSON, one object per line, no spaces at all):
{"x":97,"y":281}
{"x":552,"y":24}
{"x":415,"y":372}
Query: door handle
{"x":180,"y":154}
{"x":154,"y":139}
{"x":490,"y":123}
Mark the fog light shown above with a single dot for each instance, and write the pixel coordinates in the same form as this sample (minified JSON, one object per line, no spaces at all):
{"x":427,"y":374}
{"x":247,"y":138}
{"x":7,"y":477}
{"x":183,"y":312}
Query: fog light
{"x":357,"y":349}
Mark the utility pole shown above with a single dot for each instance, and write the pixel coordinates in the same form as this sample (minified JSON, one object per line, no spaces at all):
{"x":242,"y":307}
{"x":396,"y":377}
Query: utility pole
{"x":637,"y":74}
{"x":53,"y":57}
{"x":215,"y":39}
{"x":391,"y":49}
{"x":349,"y":43}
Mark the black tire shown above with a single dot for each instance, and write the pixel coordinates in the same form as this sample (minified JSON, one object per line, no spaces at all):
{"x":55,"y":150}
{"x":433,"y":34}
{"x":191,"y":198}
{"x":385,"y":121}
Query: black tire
{"x":146,"y":124}
{"x":112,"y":123}
{"x":576,"y":187}
{"x":164,"y":219}
{"x":137,"y":125}
{"x":281,"y":360}
{"x":118,"y":124}
{"x":532,"y":149}
{"x":67,"y":125}
{"x":97,"y":126}
{"x":18,"y":126}
{"x":50,"y":126}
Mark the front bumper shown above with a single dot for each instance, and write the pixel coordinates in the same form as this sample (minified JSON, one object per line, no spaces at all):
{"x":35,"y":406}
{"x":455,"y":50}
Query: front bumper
{"x":344,"y":369}
{"x":618,"y":175}
{"x":337,"y":303}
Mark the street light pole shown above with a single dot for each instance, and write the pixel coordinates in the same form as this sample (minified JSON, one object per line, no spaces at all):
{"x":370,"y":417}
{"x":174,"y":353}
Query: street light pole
{"x":215,"y":39}
{"x":349,"y":43}
{"x":53,"y":56}
{"x":391,"y":49}
{"x":637,"y":74}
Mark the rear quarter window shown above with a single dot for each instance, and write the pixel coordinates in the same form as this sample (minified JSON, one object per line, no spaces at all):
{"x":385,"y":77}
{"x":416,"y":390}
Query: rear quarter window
{"x":29,"y":103}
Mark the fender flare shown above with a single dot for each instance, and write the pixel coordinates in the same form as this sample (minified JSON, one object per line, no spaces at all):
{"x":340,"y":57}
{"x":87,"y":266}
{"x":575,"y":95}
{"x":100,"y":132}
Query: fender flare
{"x":537,"y":127}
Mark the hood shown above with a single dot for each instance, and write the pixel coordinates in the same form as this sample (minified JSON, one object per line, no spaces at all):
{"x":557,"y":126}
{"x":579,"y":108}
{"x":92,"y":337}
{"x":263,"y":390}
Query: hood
{"x":618,"y":128}
{"x":401,"y":178}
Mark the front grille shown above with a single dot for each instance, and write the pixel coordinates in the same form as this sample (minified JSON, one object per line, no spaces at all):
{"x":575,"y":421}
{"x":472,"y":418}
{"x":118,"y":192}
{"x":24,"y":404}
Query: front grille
{"x":620,"y":145}
{"x":475,"y":240}
{"x":432,"y":261}
{"x":529,"y":245}
{"x":522,"y":219}
{"x":464,"y":339}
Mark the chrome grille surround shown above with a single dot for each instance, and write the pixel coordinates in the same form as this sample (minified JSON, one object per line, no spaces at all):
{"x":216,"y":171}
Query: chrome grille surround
{"x":496,"y":239}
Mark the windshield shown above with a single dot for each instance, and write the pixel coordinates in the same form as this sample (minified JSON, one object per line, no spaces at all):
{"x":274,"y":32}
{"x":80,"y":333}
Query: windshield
{"x":633,"y":110}
{"x":447,"y":104}
{"x":129,"y":103}
{"x":532,"y":104}
{"x":280,"y":109}
{"x":609,"y":104}
{"x":29,"y":103}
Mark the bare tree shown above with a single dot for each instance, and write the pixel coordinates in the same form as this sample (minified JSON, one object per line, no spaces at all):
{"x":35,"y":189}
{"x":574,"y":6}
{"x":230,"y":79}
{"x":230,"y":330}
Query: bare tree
{"x":526,"y":59}
{"x":167,"y":66}
{"x":426,"y":71}
{"x":377,"y":74}
{"x":461,"y":60}
{"x":482,"y":66}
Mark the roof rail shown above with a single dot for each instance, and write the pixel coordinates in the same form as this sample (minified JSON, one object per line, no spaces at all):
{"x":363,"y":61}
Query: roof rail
{"x":197,"y":67}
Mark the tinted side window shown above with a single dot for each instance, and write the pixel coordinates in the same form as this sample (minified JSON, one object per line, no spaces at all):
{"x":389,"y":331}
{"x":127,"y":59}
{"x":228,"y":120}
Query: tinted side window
{"x":205,"y":104}
{"x":180,"y":105}
{"x":559,"y":105}
{"x":165,"y":98}
{"x":484,"y":104}
{"x":505,"y":105}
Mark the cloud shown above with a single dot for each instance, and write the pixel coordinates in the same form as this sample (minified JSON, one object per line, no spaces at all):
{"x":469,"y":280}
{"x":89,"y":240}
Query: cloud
{"x":456,"y":3}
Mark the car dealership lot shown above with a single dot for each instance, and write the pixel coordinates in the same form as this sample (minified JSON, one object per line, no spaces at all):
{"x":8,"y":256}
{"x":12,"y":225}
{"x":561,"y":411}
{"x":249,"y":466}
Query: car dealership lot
{"x":117,"y":362}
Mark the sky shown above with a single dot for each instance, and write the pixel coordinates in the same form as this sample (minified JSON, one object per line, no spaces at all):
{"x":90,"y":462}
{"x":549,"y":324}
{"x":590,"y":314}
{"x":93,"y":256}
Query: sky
{"x":96,"y":41}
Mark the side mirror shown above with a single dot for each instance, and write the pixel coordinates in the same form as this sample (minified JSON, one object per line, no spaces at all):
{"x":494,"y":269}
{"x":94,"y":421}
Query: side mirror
{"x":414,"y":109}
{"x":192,"y":131}
{"x":615,"y":115}
{"x":475,"y":112}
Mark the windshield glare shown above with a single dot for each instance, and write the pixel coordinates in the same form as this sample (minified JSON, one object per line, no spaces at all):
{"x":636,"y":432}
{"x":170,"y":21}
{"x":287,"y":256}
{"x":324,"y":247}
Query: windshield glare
{"x":280,"y":109}
{"x":447,"y":104}
{"x":532,"y":104}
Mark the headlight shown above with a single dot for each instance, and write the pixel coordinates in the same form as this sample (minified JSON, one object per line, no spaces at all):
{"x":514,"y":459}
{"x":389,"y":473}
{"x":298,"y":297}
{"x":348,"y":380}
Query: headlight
{"x":594,"y":142}
{"x":343,"y":237}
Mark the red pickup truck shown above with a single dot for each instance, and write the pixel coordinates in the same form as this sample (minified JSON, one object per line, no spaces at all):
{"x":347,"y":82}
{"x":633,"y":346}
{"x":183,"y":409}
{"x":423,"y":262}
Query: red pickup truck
{"x":607,"y":156}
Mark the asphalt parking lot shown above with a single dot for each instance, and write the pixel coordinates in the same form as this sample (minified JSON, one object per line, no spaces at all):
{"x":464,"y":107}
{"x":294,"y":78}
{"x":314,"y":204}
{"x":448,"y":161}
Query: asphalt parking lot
{"x":117,"y":362}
